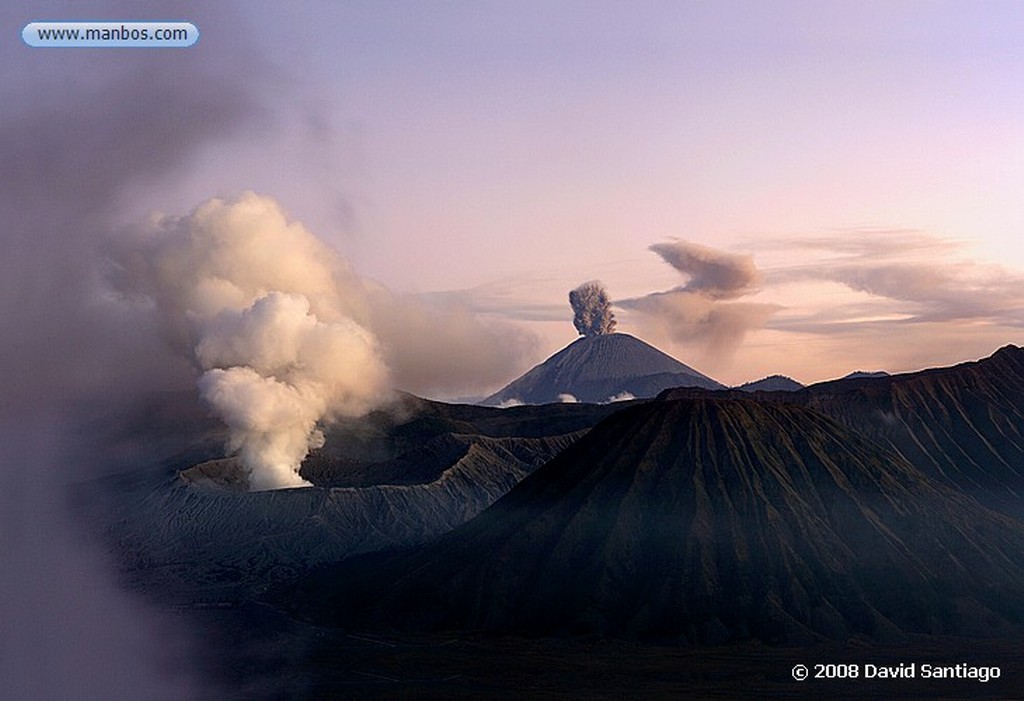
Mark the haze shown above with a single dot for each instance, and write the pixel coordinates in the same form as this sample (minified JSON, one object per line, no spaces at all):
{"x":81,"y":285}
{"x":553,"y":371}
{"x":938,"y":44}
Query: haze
{"x":806,"y":188}
{"x":866,"y":157}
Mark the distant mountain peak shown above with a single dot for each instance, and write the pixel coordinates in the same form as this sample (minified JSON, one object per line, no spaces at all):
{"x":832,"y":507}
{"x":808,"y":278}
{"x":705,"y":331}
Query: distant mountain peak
{"x":772,"y":383}
{"x":861,"y":374}
{"x":600,"y":368}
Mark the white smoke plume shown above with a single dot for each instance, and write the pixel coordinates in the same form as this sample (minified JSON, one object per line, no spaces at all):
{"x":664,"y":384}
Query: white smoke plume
{"x":275,"y":371}
{"x":702,"y":311}
{"x":269,"y":315}
{"x":567,"y":398}
{"x":592,"y":309}
{"x":286,"y":337}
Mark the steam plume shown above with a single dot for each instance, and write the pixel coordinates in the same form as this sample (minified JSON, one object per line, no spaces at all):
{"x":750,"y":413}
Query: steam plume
{"x":592,"y":309}
{"x":267,"y":313}
{"x":286,"y":337}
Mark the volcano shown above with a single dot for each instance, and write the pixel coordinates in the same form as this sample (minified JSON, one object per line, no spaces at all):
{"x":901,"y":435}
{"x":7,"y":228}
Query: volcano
{"x":704,"y":520}
{"x":601,"y":368}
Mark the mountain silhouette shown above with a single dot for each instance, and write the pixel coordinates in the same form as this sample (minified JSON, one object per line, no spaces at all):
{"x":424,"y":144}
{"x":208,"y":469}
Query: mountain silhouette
{"x":772,"y":383}
{"x":962,"y":425}
{"x":395,"y":478}
{"x":702,"y":519}
{"x":599,"y":369}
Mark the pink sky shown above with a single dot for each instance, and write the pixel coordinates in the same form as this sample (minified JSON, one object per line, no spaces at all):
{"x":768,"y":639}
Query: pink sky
{"x":503,"y":153}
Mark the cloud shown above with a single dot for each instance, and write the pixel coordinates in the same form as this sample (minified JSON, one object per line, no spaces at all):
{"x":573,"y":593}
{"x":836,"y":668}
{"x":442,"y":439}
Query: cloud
{"x":896,"y":299}
{"x":440,"y":346}
{"x":530,"y":296}
{"x":66,"y":164}
{"x":717,"y":327}
{"x":713,"y":274}
{"x":80,"y":134}
{"x":878,"y":243}
{"x":702,"y":312}
{"x":910,"y":278}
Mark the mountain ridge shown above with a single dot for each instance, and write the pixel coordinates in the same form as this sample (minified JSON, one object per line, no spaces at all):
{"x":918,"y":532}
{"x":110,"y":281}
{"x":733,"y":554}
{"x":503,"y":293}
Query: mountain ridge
{"x":771,"y":383}
{"x":702,"y":519}
{"x":961,"y":424}
{"x":398,"y":477}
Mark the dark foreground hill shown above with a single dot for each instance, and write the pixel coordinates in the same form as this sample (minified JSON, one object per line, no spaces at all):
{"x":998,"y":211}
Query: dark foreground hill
{"x":395,"y":478}
{"x":962,"y":425}
{"x":600,"y":369}
{"x":702,"y":519}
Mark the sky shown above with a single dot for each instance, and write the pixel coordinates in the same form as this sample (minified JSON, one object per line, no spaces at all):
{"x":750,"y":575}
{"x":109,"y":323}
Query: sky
{"x":555,"y":146}
{"x":509,"y":152}
{"x":500,"y":154}
{"x":806,"y":188}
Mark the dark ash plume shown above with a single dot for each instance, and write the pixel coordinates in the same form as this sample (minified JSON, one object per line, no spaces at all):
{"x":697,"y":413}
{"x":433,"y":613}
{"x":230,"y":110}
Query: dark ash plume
{"x":592,"y":309}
